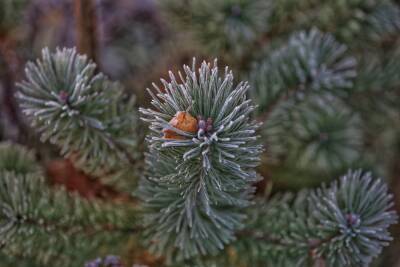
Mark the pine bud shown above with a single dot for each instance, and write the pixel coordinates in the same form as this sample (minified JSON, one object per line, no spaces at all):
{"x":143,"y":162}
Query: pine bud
{"x":64,"y":96}
{"x":182,"y":121}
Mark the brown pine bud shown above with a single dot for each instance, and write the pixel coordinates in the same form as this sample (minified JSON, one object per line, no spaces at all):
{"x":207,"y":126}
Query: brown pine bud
{"x":182,"y":121}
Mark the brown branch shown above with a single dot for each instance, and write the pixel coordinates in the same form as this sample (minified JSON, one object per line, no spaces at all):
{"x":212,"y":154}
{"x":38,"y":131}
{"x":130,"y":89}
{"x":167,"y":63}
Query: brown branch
{"x":63,"y":172}
{"x":86,"y":30}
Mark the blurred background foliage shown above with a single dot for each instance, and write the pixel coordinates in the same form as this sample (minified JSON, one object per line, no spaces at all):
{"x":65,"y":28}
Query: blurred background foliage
{"x":138,"y":41}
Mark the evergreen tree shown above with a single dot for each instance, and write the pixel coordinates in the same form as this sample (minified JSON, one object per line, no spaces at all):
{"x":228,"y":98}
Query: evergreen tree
{"x":277,"y":171}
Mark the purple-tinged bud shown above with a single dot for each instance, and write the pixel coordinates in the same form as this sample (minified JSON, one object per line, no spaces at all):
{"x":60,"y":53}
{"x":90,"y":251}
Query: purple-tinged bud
{"x":236,"y":10}
{"x":94,"y":263}
{"x":63,"y":96}
{"x":353,"y":219}
{"x":323,"y":137}
{"x":209,"y":125}
{"x":202,"y":124}
{"x":112,"y":261}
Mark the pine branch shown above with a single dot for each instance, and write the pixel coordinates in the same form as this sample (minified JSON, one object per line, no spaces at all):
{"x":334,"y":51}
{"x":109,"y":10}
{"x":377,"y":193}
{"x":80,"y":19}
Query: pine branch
{"x":310,"y":61}
{"x":224,"y":27}
{"x":52,"y":226}
{"x":319,"y":133}
{"x":345,"y":224}
{"x":14,"y":158}
{"x":7,"y":260}
{"x":378,"y":76}
{"x":87,"y":116}
{"x":199,"y":178}
{"x":344,"y":18}
{"x":382,"y":25}
{"x":306,"y":125}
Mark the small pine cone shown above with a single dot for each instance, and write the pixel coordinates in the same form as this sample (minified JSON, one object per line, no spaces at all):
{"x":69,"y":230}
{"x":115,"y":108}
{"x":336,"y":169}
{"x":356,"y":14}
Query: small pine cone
{"x":182,"y":121}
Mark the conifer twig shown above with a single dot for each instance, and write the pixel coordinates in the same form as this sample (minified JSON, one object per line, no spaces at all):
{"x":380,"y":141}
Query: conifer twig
{"x":86,"y":28}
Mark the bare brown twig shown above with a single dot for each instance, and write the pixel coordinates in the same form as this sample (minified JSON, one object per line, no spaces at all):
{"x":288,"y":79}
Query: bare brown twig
{"x":86,"y":30}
